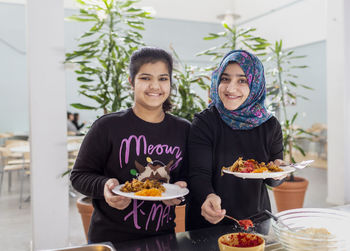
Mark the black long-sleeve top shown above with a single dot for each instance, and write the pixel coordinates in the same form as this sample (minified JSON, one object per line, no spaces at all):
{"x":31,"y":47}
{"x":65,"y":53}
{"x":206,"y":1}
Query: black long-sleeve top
{"x":76,"y":124}
{"x":213,"y":145}
{"x":111,"y":149}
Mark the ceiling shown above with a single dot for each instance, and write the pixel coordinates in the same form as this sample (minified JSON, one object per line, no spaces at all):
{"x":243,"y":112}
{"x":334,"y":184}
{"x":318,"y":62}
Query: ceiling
{"x":202,"y":10}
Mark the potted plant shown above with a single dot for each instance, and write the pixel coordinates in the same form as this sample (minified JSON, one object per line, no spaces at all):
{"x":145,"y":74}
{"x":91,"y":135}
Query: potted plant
{"x":282,"y":92}
{"x":235,"y":38}
{"x":104,"y":51}
{"x":102,"y":57}
{"x":187,"y":102}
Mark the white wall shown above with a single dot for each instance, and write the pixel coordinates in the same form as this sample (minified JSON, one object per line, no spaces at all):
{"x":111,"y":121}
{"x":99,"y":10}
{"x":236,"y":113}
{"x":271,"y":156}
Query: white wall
{"x":297,"y":22}
{"x":185,"y":36}
{"x":193,"y":10}
{"x":338,"y":96}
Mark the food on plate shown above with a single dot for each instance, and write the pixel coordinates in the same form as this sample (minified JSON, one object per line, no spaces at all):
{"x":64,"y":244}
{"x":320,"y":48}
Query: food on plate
{"x":149,"y":192}
{"x":241,"y":240}
{"x":137,"y":186}
{"x":251,"y":166}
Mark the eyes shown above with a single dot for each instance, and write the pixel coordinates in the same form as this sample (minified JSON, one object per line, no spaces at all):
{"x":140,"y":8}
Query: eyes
{"x":146,"y":78}
{"x":226,"y":80}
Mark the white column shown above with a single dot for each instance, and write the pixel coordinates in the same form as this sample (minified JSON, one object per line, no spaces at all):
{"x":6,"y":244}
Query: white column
{"x":48,"y":126}
{"x":338,"y":100}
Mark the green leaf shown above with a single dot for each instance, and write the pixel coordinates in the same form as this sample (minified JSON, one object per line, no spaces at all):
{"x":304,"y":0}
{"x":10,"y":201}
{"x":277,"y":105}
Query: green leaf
{"x":307,"y":87}
{"x":301,"y":150}
{"x":211,"y":36}
{"x":292,"y":83}
{"x":299,"y":67}
{"x":81,"y":106}
{"x":84,"y":79}
{"x":135,"y":26}
{"x":225,"y":25}
{"x":126,"y":4}
{"x":294,"y":117}
{"x":79,"y":19}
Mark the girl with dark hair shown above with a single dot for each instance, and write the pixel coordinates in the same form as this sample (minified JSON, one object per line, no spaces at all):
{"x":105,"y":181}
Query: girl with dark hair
{"x":76,"y":121}
{"x":236,"y":124}
{"x":121,"y":146}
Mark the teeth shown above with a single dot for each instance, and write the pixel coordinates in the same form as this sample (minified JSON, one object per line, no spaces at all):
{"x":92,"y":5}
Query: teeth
{"x":153,"y":94}
{"x":232,"y":96}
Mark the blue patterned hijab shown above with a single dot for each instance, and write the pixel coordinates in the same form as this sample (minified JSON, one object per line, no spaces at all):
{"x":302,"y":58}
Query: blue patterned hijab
{"x":252,"y":112}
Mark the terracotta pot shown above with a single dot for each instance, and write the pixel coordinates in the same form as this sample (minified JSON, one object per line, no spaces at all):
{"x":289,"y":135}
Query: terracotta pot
{"x":180,"y":218}
{"x":85,"y":208}
{"x":290,"y":194}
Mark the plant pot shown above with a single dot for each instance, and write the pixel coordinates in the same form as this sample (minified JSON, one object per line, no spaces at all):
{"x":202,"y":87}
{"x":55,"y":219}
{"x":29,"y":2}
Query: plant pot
{"x":290,"y":194}
{"x":85,"y":208}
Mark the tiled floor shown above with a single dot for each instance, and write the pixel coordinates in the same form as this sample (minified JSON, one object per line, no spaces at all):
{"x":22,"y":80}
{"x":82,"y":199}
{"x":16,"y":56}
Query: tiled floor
{"x":15,"y":223}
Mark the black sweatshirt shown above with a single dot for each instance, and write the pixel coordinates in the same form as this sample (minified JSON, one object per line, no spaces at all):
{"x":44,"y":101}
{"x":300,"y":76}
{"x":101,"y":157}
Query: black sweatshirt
{"x":111,"y":149}
{"x":212,"y":145}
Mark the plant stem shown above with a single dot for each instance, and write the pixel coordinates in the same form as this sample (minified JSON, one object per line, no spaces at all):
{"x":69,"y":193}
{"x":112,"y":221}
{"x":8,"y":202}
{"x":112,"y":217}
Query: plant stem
{"x":281,"y":85}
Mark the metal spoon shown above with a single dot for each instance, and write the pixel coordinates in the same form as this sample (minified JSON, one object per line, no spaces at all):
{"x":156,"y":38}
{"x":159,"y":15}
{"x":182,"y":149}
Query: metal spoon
{"x":278,"y":220}
{"x":300,"y":165}
{"x":240,"y":222}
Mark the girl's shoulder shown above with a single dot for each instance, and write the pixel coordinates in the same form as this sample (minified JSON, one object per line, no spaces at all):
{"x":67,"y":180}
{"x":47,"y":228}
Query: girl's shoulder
{"x":272,"y":122}
{"x":178,"y":120}
{"x":110,"y":118}
{"x":209,"y":114}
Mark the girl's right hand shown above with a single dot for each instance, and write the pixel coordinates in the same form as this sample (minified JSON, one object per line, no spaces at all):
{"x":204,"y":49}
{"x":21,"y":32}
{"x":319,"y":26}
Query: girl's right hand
{"x":211,"y":209}
{"x":115,"y":201}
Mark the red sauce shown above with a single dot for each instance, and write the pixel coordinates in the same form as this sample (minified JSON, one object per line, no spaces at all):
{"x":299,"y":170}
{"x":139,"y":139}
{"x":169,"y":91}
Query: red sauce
{"x":246,"y":224}
{"x":242,"y":240}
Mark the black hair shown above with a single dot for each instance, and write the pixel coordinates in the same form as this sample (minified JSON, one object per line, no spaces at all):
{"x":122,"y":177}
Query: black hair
{"x":147,"y":55}
{"x":76,"y":115}
{"x":68,"y":114}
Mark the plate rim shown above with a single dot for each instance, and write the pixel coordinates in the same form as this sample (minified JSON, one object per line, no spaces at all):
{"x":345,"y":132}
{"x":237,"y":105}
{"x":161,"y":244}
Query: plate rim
{"x":131,"y":195}
{"x":260,"y":175}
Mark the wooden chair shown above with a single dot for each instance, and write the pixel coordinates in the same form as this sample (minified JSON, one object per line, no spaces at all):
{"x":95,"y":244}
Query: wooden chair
{"x":10,"y":166}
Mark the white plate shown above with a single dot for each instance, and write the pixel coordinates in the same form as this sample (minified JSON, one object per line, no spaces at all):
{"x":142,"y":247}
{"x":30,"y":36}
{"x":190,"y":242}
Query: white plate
{"x":171,"y":192}
{"x":266,"y":175}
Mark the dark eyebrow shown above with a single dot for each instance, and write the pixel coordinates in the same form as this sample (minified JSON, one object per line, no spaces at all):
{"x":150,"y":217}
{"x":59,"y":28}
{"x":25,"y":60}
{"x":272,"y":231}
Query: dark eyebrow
{"x":238,"y":75}
{"x":147,"y":74}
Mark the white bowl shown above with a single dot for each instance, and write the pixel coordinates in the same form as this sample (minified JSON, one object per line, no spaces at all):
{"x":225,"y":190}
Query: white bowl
{"x":308,"y":229}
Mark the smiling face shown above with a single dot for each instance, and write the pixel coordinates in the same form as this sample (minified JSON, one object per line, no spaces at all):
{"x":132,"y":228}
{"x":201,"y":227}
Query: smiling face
{"x":233,"y":88}
{"x":152,"y":85}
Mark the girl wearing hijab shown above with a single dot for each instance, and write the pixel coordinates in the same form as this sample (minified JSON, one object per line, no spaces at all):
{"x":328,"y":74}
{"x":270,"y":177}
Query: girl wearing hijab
{"x":236,"y":124}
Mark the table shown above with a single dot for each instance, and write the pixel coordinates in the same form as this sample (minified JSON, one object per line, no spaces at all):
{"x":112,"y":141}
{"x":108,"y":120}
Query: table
{"x":71,"y":147}
{"x":202,"y":239}
{"x":23,"y":149}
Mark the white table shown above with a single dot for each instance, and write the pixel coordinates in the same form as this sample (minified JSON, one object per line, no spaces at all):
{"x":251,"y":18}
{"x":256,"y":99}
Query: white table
{"x":71,"y":147}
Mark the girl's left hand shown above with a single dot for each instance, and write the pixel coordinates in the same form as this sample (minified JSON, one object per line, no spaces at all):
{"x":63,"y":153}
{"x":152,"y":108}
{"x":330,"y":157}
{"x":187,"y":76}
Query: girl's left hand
{"x":175,"y":202}
{"x":279,"y":162}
